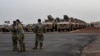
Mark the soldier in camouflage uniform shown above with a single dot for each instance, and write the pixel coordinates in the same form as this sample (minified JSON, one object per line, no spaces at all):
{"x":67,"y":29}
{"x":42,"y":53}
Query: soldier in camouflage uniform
{"x":14,"y":36}
{"x":20,"y":36}
{"x":39,"y":30}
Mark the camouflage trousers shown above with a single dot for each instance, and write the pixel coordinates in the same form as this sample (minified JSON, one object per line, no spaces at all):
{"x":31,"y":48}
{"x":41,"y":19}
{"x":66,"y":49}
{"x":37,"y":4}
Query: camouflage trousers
{"x":21,"y":42}
{"x":14,"y":43}
{"x":39,"y":40}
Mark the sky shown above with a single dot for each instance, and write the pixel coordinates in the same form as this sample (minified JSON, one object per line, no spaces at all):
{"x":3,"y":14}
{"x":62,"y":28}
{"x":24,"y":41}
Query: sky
{"x":28,"y":11}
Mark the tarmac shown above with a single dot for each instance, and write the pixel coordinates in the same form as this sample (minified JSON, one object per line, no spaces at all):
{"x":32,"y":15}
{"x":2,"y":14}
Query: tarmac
{"x":93,"y":49}
{"x":55,"y":44}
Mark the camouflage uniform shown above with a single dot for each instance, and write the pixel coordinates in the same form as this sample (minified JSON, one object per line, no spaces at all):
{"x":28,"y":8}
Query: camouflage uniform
{"x":21,"y":37}
{"x":39,"y":30}
{"x":14,"y":37}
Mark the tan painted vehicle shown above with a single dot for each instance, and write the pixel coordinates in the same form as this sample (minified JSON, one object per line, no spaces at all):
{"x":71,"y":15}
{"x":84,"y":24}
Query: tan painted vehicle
{"x":28,"y":28}
{"x":82,"y":25}
{"x":5,"y":28}
{"x":77,"y":25}
{"x":73,"y":26}
{"x":63,"y":26}
{"x":49,"y":26}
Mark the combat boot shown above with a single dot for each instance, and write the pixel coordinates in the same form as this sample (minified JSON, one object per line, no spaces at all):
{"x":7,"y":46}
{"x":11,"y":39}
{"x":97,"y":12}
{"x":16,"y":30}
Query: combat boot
{"x":24,"y":47}
{"x":41,"y":45}
{"x":36,"y":45}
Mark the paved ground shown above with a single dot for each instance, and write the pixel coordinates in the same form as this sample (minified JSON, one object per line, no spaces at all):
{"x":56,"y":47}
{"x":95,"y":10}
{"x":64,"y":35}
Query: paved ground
{"x":93,"y":49}
{"x":55,"y":44}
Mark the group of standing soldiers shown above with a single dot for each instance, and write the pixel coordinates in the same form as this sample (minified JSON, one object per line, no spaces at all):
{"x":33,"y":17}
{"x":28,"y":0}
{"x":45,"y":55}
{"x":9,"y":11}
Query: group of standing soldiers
{"x":18,"y":35}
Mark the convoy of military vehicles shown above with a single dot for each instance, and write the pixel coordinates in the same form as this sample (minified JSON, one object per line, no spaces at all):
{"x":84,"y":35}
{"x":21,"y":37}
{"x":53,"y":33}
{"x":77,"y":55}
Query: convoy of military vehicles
{"x":65,"y":24}
{"x":54,"y":24}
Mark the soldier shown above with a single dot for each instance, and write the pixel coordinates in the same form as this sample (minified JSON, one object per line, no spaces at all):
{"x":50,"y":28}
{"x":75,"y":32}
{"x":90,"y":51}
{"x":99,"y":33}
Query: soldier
{"x":39,"y":30}
{"x":14,"y":36}
{"x":20,"y":36}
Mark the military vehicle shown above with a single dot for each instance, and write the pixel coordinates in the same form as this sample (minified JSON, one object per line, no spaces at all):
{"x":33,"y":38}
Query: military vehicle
{"x":49,"y":26}
{"x":5,"y":28}
{"x":63,"y":26}
{"x":1,"y":26}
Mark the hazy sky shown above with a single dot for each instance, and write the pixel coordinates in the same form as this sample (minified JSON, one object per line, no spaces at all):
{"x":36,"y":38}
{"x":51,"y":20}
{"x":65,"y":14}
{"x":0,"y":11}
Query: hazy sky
{"x":28,"y":11}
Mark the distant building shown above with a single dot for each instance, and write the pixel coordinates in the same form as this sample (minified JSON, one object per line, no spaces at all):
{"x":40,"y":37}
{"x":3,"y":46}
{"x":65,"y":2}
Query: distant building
{"x":95,"y":24}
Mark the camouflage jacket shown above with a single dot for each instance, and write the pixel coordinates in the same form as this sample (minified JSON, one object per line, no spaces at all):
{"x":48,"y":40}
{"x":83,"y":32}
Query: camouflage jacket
{"x":20,"y":29}
{"x":39,"y":29}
